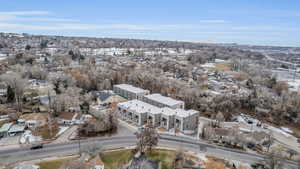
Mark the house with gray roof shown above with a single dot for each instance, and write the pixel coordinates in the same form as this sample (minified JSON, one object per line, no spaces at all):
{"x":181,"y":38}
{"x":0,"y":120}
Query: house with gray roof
{"x":4,"y":129}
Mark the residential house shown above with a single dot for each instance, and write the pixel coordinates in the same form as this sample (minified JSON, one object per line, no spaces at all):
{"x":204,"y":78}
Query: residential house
{"x":135,"y":111}
{"x":67,"y":118}
{"x":4,"y":129}
{"x":186,"y":120}
{"x":34,"y":120}
{"x":108,"y":97}
{"x":16,"y":129}
{"x":141,"y":161}
{"x":4,"y":118}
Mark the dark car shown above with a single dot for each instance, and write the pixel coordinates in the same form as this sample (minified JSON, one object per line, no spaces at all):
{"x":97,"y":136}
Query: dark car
{"x":36,"y":146}
{"x":298,"y":140}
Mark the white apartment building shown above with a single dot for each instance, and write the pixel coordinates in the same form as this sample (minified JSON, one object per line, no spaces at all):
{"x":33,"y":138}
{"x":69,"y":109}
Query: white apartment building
{"x":130,"y":92}
{"x":163,"y":101}
{"x":186,"y":119}
{"x":167,"y":118}
{"x":137,"y":111}
{"x":141,"y":113}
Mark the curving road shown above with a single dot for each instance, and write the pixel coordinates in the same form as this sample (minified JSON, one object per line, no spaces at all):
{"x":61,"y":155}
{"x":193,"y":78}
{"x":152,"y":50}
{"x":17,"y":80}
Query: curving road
{"x":61,"y":149}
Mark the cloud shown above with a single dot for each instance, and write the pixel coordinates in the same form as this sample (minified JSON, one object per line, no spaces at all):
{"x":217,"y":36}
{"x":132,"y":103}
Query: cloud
{"x":213,"y":21}
{"x":24,"y":13}
{"x":30,"y":16}
{"x":87,"y":27}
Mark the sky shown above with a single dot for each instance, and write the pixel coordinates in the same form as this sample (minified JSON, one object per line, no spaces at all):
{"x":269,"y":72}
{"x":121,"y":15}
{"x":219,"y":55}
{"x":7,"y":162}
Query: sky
{"x":256,"y":22}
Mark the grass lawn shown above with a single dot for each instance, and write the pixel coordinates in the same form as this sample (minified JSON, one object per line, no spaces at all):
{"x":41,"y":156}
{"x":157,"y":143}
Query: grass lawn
{"x":115,"y":159}
{"x":53,"y":164}
{"x":166,"y":157}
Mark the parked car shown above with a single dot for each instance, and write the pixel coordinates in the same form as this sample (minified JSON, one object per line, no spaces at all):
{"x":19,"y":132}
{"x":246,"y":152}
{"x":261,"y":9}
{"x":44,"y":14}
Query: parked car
{"x":36,"y":146}
{"x":298,"y":140}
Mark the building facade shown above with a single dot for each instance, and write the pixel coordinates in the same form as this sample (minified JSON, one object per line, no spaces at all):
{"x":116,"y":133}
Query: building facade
{"x":141,"y":113}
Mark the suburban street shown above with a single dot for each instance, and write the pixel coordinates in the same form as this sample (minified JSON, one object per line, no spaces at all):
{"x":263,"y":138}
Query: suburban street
{"x":62,"y":149}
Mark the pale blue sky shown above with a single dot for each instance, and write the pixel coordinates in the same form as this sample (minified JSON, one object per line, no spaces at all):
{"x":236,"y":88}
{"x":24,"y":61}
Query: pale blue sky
{"x":270,"y":22}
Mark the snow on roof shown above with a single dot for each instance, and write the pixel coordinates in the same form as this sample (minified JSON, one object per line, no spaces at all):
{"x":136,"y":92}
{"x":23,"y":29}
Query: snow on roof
{"x":16,"y":128}
{"x":140,"y":107}
{"x":167,"y":111}
{"x":26,"y":166}
{"x":184,"y":113}
{"x":131,"y":88}
{"x":5,"y":127}
{"x":163,"y":99}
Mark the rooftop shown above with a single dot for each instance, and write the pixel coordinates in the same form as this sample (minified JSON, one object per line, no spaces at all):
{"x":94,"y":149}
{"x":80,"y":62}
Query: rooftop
{"x":140,"y":107}
{"x":16,"y":128}
{"x":67,"y":115}
{"x":5,"y":127}
{"x":35,"y":116}
{"x":131,"y":88}
{"x":163,"y":99}
{"x":167,"y":111}
{"x":185,"y":113}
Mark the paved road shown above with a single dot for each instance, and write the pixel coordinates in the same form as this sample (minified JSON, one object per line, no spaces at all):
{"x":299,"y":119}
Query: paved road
{"x":69,"y":148}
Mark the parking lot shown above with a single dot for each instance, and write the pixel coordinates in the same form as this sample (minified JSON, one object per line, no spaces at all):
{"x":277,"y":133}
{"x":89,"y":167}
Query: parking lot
{"x":9,"y":140}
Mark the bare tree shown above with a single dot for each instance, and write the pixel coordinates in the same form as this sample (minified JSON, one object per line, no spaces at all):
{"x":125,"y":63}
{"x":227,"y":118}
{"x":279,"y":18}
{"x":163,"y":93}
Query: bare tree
{"x":179,"y":159}
{"x":292,"y":153}
{"x":18,"y":84}
{"x":220,"y":118}
{"x":93,"y":149}
{"x":269,"y":142}
{"x":273,"y":161}
{"x":147,"y":139}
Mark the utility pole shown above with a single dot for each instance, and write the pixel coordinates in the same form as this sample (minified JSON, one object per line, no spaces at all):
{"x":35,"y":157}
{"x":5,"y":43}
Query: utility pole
{"x":295,"y":72}
{"x":79,"y":144}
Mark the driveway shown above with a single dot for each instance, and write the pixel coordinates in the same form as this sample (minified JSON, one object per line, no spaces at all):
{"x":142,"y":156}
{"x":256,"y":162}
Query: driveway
{"x":64,"y":137}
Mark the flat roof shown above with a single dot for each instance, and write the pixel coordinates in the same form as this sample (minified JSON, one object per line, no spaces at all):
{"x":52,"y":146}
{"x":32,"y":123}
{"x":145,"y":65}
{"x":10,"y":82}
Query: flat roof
{"x":167,"y":111}
{"x":5,"y":127}
{"x":163,"y":99}
{"x":140,"y":107}
{"x":184,"y":113}
{"x":131,"y":88}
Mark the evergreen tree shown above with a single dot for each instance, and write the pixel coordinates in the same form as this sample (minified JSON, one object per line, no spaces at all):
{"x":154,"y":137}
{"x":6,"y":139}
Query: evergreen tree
{"x":10,"y":94}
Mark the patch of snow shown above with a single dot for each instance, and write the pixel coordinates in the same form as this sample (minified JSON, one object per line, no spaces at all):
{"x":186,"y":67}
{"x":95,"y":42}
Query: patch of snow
{"x":280,"y":131}
{"x":201,"y":156}
{"x":286,"y":130}
{"x":27,"y":137}
{"x":62,"y":129}
{"x":294,"y":84}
